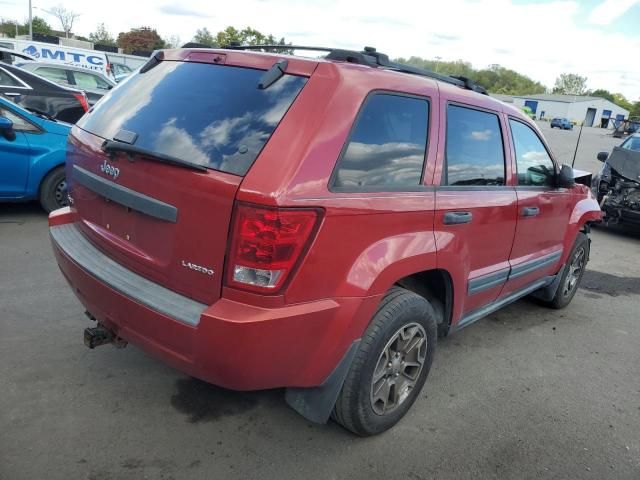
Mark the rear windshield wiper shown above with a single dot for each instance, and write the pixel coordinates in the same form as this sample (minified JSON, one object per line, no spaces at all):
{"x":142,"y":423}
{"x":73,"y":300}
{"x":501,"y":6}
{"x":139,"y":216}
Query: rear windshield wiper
{"x":275,"y":73}
{"x":109,"y":146}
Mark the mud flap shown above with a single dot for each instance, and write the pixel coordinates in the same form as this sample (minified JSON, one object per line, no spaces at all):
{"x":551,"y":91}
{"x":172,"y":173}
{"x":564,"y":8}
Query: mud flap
{"x":315,"y":404}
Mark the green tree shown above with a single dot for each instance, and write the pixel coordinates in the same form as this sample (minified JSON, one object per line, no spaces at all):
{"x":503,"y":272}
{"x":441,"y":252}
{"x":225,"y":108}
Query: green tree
{"x":230,"y":35}
{"x":620,"y":100}
{"x":39,"y":25}
{"x":602,"y":93}
{"x":495,"y":78}
{"x":570,"y":84}
{"x":204,"y":36}
{"x":143,"y":38}
{"x":102,"y":36}
{"x":635,"y":110}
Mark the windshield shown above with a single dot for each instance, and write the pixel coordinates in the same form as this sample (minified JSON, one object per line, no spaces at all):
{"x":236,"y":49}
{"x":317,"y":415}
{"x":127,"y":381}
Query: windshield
{"x":211,"y":115}
{"x":632,"y":143}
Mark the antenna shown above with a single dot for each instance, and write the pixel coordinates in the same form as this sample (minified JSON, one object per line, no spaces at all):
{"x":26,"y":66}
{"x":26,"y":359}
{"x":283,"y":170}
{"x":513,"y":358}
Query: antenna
{"x":578,"y":142}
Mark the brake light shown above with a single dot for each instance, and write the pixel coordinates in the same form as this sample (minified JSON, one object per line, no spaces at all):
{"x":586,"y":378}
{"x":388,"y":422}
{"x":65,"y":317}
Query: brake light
{"x":267,"y":244}
{"x":82,"y":98}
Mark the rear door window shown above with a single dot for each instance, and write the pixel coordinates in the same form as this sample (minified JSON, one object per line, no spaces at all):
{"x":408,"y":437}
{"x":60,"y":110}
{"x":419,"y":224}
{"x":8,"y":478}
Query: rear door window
{"x":56,"y":75}
{"x":474,"y":149}
{"x":386,"y":149}
{"x":88,"y":80}
{"x":210,"y":115}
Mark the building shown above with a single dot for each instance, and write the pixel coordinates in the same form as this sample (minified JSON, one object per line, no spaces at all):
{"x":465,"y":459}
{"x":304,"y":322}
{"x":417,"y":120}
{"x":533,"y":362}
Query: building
{"x":594,"y":111}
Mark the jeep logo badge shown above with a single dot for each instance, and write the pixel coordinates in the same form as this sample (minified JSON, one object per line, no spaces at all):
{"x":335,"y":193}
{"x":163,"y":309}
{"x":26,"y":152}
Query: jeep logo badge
{"x":110,"y":170}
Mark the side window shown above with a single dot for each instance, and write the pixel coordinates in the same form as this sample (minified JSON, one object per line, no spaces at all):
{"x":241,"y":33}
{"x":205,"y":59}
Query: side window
{"x":56,"y":75}
{"x":535,"y":167}
{"x":87,"y":80}
{"x":387,"y":144}
{"x":7,"y":80}
{"x":19,"y":123}
{"x":474,"y":150}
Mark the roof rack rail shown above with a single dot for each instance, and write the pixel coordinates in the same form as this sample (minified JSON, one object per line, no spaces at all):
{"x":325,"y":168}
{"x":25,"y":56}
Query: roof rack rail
{"x":371,"y":57}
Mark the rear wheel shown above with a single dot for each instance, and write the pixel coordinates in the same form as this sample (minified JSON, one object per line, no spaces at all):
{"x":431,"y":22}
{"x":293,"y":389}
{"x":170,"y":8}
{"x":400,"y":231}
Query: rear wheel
{"x":391,"y":365}
{"x":572,"y":275}
{"x":53,"y":190}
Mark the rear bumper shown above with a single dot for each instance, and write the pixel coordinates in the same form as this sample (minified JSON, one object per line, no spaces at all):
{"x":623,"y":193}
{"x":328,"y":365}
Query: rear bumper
{"x":231,"y":344}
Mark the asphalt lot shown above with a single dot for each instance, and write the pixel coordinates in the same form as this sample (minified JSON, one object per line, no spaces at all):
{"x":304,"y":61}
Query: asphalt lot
{"x":525,"y":393}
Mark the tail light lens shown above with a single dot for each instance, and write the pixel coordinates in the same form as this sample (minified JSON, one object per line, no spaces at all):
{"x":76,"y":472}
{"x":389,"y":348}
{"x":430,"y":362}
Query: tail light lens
{"x":267,"y":244}
{"x":82,"y":98}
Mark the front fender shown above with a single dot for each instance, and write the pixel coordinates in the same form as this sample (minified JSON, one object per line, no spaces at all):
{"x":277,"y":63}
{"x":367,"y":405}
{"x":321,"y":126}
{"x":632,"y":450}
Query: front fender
{"x":585,"y":210}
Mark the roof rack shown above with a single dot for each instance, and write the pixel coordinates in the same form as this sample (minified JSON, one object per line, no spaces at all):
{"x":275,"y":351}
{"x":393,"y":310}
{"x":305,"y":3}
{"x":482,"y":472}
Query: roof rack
{"x":372,"y":58}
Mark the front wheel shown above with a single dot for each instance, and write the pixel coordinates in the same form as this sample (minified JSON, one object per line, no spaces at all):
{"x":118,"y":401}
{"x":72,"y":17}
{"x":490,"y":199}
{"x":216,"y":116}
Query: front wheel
{"x":53,"y":190}
{"x":390,"y":366}
{"x":572,"y":275}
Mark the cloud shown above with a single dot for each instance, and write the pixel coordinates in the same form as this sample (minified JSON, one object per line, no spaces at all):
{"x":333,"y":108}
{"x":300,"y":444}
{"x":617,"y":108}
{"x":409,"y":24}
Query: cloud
{"x":610,"y":10}
{"x":182,"y":11}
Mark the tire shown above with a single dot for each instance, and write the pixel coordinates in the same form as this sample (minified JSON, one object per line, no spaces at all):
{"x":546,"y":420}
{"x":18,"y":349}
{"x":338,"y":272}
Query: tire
{"x":402,"y":316}
{"x":53,"y":190}
{"x":571,"y":277}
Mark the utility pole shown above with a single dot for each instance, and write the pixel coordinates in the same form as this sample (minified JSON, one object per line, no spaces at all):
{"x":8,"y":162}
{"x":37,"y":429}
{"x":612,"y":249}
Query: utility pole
{"x":30,"y":22}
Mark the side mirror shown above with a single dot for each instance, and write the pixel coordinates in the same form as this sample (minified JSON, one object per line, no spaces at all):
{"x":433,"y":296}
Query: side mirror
{"x":565,"y":177}
{"x":6,"y":129}
{"x":602,"y":156}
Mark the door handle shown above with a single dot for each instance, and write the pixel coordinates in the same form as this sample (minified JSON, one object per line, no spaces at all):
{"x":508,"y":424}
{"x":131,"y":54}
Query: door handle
{"x":12,"y":94}
{"x":530,"y":211}
{"x":457,"y":218}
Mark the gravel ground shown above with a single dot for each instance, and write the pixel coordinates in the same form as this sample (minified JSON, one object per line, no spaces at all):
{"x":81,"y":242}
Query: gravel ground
{"x":525,"y":393}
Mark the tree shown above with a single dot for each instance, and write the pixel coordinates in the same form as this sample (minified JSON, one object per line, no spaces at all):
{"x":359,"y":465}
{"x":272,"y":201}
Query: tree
{"x":143,"y":38}
{"x":172,"y":42}
{"x":102,"y":36}
{"x":204,"y":36}
{"x":620,"y":100}
{"x":8,"y":27}
{"x":66,"y":17}
{"x":570,"y":84}
{"x":39,"y":25}
{"x":246,"y":36}
{"x":635,"y":110}
{"x":602,"y":93}
{"x":495,"y":78}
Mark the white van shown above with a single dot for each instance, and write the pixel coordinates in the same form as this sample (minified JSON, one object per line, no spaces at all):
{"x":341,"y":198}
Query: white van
{"x":78,"y":57}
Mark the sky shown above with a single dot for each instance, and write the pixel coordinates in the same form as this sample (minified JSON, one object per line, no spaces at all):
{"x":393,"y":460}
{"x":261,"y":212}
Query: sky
{"x":599,"y":39}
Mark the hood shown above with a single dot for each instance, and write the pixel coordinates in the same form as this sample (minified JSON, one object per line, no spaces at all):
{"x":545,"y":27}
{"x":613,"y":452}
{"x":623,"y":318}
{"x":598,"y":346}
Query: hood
{"x":626,"y":163}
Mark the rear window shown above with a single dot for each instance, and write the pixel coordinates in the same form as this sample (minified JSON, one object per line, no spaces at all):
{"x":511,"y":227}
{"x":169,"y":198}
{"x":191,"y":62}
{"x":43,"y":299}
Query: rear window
{"x":206,"y":114}
{"x":386,"y":149}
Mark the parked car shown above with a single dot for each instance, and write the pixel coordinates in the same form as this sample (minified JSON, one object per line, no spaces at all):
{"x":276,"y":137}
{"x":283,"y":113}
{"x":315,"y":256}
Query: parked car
{"x":35,"y":93}
{"x":562,"y":123}
{"x":94,"y":84}
{"x":617,"y":185}
{"x":311,"y":223}
{"x":32,"y":155}
{"x":10,"y":56}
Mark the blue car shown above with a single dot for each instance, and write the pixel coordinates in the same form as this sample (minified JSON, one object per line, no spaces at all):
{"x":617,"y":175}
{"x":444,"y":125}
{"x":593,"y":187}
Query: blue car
{"x":32,"y":155}
{"x":562,"y":123}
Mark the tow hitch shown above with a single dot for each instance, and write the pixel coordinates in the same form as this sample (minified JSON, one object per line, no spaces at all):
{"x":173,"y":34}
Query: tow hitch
{"x":99,"y":335}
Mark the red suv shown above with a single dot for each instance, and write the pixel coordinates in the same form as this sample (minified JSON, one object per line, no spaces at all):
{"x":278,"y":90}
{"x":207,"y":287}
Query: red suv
{"x":260,"y":220}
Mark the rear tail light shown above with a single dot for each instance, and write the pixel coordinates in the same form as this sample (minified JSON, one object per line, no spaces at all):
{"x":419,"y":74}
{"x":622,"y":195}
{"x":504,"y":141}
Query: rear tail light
{"x":267,"y":244}
{"x":82,"y":98}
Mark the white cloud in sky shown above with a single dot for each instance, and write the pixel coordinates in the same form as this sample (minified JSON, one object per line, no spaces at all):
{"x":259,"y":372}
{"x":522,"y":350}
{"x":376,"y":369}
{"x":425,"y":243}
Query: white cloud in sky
{"x":540,"y":40}
{"x":610,"y":10}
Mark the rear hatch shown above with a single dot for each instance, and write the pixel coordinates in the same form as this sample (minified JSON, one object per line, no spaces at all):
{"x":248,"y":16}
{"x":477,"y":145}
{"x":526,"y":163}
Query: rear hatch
{"x":155,"y":166}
